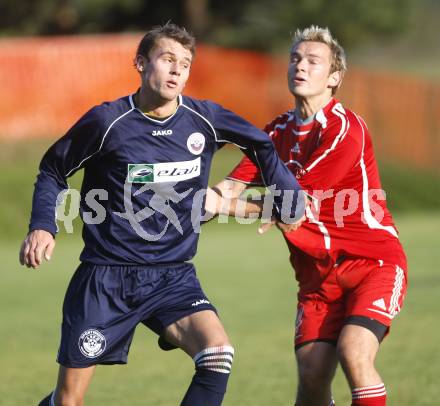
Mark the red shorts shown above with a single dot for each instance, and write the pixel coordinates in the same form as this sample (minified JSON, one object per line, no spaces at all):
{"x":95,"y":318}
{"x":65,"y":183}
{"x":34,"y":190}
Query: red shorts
{"x":334,"y":292}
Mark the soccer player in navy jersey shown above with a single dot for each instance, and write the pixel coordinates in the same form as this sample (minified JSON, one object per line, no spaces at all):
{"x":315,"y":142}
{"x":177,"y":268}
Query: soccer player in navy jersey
{"x":146,"y":160}
{"x":349,"y":263}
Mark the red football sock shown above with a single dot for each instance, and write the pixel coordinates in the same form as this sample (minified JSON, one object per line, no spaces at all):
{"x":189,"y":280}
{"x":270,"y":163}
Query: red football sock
{"x":375,"y":395}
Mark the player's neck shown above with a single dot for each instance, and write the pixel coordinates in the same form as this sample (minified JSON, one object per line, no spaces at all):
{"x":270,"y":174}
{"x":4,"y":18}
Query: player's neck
{"x":308,"y":107}
{"x":154,"y":106}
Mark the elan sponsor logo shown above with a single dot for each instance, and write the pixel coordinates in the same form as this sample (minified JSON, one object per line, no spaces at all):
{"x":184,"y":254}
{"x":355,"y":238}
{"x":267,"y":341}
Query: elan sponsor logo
{"x":163,"y":172}
{"x":140,"y":173}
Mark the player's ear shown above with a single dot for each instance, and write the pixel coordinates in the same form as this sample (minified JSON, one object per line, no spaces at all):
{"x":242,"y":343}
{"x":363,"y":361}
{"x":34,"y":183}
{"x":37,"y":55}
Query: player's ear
{"x":140,"y":63}
{"x":335,"y":79}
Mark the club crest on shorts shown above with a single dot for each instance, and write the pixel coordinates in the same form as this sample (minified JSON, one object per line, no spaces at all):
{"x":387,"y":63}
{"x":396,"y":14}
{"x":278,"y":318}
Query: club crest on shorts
{"x":91,"y":343}
{"x":196,"y":143}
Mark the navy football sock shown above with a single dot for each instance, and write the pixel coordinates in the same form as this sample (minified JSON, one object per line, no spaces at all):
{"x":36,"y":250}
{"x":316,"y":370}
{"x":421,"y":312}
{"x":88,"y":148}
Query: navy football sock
{"x":207,"y":389}
{"x":47,"y":401}
{"x":208,"y":386}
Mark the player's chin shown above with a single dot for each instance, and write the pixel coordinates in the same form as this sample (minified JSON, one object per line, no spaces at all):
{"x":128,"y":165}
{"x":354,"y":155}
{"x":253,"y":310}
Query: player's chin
{"x":170,"y":94}
{"x":299,"y":91}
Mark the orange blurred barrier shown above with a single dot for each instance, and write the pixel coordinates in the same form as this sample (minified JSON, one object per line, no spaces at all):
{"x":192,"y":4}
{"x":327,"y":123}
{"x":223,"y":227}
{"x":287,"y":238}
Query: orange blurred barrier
{"x":48,"y":83}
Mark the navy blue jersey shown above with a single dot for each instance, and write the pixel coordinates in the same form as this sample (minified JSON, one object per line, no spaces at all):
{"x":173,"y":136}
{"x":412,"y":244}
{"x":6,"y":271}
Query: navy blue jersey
{"x":148,"y":175}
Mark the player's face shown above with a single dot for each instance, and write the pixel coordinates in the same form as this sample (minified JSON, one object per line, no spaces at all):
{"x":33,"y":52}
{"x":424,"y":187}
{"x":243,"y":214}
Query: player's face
{"x":166,"y":71}
{"x":309,"y":70}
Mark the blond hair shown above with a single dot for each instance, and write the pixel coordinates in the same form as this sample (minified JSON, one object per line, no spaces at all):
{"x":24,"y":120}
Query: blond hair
{"x":319,"y":34}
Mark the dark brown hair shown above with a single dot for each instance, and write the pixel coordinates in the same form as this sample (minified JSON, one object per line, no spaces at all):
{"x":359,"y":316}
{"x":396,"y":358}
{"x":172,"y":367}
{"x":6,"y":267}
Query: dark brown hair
{"x":169,"y":30}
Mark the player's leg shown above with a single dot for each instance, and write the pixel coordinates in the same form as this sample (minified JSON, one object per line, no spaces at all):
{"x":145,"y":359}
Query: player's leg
{"x":357,"y":350}
{"x":185,"y":318}
{"x":372,"y":303}
{"x":319,"y":319}
{"x":71,"y":387}
{"x":316,"y":362}
{"x":202,"y":336}
{"x":317,"y":328}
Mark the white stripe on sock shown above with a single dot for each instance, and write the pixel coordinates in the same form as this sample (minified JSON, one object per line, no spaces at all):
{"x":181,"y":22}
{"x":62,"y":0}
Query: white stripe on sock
{"x":369,"y":392}
{"x":218,"y":359}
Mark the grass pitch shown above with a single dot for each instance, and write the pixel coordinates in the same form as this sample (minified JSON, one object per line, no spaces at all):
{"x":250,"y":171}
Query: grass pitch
{"x":248,"y":278}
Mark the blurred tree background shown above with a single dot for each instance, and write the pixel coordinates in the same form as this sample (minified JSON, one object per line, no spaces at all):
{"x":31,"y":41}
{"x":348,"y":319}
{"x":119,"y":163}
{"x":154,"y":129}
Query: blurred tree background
{"x":261,"y":24}
{"x":252,"y":24}
{"x":374,"y":31}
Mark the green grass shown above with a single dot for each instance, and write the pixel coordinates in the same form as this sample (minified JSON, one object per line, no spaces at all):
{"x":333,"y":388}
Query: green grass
{"x":248,"y":278}
{"x":409,"y":189}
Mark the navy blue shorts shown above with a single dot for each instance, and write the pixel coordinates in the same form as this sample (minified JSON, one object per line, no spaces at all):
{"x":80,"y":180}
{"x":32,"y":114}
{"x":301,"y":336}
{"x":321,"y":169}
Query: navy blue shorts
{"x":104,"y":304}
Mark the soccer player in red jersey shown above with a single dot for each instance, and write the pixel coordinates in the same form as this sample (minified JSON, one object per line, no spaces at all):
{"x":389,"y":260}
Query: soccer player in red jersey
{"x":348,"y":260}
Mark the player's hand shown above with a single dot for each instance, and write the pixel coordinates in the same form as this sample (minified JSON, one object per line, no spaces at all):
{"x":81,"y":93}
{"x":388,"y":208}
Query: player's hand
{"x":283,"y":227}
{"x":37,"y":244}
{"x":213,"y":202}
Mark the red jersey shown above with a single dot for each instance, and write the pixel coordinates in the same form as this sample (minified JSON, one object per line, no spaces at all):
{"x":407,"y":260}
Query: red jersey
{"x":332,"y":157}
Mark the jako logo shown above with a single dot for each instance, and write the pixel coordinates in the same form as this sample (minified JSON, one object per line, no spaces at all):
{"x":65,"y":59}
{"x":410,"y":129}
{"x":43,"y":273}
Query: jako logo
{"x":163,"y":172}
{"x":199,"y":302}
{"x":162,"y":132}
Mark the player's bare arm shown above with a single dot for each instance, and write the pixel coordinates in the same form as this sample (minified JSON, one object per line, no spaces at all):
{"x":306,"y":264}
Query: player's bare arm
{"x":220,"y":199}
{"x":226,"y":198}
{"x":36,"y":245}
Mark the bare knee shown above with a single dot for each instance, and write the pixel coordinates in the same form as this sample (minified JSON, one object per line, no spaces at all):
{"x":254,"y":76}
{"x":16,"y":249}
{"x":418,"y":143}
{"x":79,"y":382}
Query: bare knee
{"x":357,"y":346}
{"x":357,"y":349}
{"x":316,"y":366}
{"x":197,"y":332}
{"x":215,"y":338}
{"x":313,"y":375}
{"x":354,"y":356}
